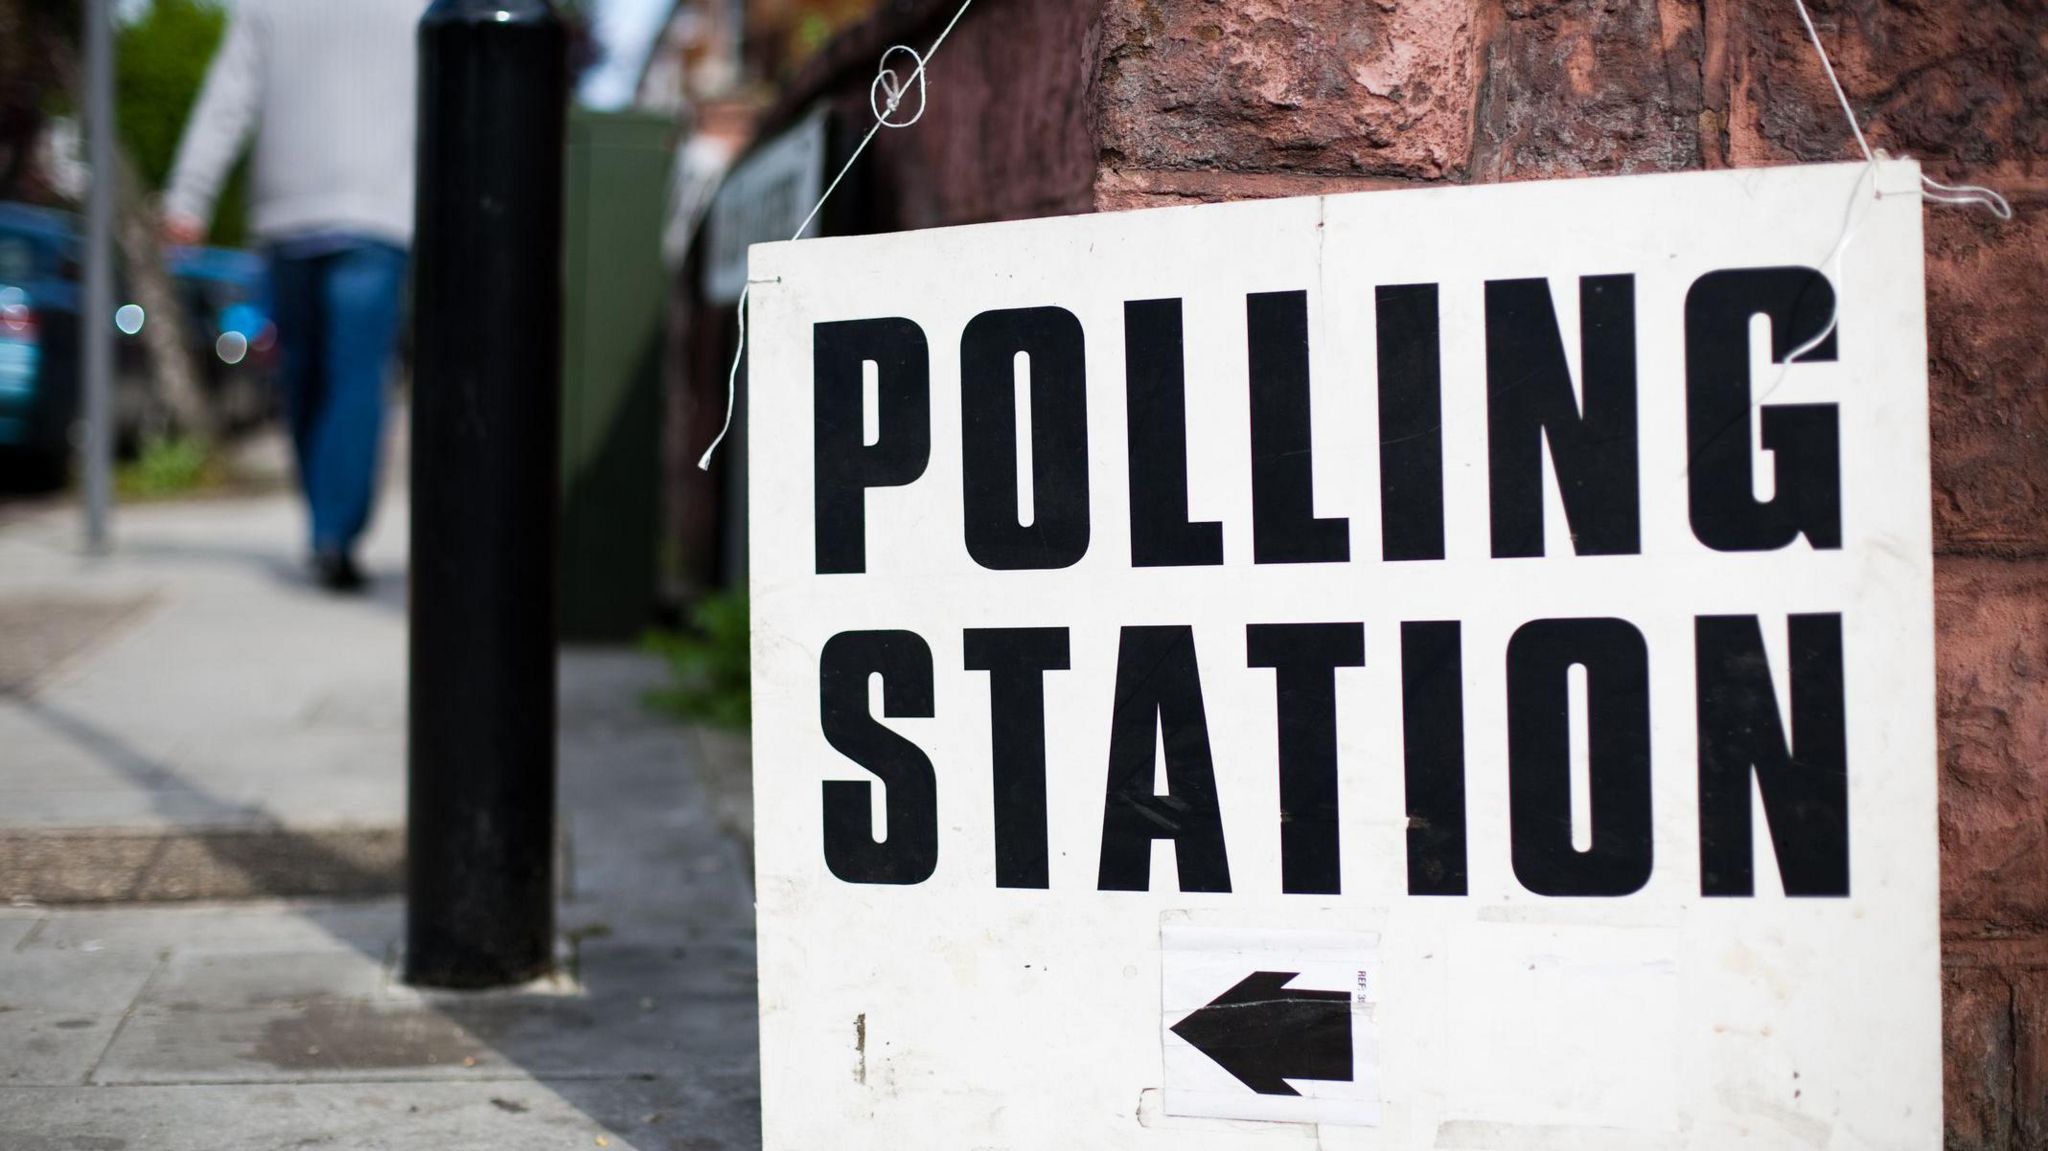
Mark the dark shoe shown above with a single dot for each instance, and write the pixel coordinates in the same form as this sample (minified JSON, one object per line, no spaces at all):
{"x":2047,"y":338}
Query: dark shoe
{"x":337,"y":571}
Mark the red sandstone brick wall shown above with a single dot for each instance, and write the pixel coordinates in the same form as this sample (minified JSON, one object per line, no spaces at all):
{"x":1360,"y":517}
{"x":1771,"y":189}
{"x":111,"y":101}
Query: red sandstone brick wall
{"x":1269,"y":97}
{"x":1006,"y":134}
{"x":1048,"y":106}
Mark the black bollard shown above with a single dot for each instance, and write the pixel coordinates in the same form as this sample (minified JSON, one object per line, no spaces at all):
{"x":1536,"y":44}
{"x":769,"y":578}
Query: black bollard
{"x":486,"y":434}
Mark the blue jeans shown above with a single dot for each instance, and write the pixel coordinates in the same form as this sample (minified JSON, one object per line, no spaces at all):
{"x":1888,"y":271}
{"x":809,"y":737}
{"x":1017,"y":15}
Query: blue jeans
{"x":337,"y":311}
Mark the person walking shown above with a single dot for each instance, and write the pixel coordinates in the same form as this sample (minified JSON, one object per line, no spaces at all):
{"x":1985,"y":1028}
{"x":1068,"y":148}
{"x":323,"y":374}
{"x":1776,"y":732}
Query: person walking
{"x":329,"y":91}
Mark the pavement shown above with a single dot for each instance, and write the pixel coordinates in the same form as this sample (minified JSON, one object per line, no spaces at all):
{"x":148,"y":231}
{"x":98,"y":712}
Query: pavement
{"x":201,"y":813}
{"x":192,"y":680}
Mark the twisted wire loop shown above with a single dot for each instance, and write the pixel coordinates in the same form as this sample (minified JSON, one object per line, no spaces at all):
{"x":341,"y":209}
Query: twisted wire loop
{"x":1930,"y":188}
{"x":1967,"y":194}
{"x":888,"y":94}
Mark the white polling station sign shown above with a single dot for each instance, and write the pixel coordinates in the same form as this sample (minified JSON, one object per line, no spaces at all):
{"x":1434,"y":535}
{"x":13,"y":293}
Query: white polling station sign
{"x":1420,"y":669}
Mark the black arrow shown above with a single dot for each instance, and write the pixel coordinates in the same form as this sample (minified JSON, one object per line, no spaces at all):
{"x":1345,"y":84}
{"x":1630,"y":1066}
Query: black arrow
{"x":1265,"y":1034}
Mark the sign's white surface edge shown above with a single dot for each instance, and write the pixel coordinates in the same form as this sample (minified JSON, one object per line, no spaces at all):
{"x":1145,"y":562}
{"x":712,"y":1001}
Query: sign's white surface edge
{"x":1871,"y":1076}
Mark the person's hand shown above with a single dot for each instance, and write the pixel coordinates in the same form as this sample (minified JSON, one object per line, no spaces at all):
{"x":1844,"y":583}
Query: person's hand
{"x":182,"y":231}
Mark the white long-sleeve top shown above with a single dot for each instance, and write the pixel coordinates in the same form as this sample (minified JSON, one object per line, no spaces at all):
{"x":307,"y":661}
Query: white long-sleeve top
{"x":330,"y":88}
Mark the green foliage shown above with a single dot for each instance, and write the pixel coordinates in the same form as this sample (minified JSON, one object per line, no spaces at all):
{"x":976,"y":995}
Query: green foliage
{"x":166,"y":467}
{"x":709,"y":664}
{"x":161,"y":61}
{"x":813,"y":29}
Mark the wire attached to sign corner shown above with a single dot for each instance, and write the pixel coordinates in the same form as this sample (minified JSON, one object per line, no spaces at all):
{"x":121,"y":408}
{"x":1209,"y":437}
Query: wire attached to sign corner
{"x":886,"y":94}
{"x":888,"y":90}
{"x":1930,"y":188}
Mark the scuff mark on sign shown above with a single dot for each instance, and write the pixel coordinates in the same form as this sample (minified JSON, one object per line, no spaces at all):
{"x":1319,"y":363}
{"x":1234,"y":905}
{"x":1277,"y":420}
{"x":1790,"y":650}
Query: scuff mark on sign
{"x":860,"y":1048}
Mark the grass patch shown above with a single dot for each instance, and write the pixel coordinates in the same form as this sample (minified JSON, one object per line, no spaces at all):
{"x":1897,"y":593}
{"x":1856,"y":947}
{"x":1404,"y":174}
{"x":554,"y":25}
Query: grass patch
{"x":709,"y":667}
{"x":167,"y":467}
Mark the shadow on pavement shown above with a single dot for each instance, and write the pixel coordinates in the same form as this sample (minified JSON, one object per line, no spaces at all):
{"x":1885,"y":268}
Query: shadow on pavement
{"x":266,"y":1020}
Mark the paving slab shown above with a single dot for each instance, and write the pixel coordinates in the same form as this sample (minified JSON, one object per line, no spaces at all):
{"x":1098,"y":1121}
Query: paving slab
{"x":239,"y":929}
{"x":197,"y":676}
{"x":59,"y":1012}
{"x":38,"y":633}
{"x":707,"y":1111}
{"x":193,"y":685}
{"x":337,"y":1016}
{"x":124,"y":865}
{"x":16,"y":928}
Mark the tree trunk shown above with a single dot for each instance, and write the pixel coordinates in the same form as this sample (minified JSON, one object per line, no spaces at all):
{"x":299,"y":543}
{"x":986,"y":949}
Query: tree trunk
{"x":175,"y":377}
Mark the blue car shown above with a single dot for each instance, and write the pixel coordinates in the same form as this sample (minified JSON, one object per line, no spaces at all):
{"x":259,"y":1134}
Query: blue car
{"x":39,"y":370}
{"x":225,"y":297}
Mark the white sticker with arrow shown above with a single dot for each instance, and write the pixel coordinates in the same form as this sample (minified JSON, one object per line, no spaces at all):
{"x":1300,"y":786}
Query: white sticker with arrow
{"x":1270,"y":1024}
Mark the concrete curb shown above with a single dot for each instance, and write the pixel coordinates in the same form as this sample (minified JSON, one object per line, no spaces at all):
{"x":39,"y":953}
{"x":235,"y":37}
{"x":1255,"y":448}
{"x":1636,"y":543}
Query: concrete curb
{"x":726,"y":763}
